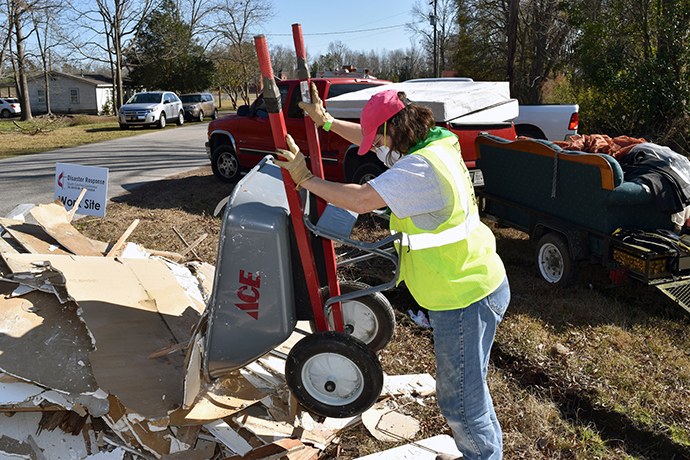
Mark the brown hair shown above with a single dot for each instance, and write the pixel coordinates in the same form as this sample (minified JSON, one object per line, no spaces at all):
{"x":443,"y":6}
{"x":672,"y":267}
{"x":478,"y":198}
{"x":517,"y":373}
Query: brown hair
{"x":409,"y":126}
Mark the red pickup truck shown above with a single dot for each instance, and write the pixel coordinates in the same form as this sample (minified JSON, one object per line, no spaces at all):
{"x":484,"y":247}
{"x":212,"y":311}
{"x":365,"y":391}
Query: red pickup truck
{"x":238,"y":142}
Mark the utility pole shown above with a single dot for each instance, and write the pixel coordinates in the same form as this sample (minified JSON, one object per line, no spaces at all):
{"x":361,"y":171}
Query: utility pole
{"x":432,"y":20}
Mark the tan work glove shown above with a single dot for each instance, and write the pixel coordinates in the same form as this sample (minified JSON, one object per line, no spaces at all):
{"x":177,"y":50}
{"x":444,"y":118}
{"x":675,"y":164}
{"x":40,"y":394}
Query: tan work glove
{"x":295,"y":164}
{"x":315,"y":109}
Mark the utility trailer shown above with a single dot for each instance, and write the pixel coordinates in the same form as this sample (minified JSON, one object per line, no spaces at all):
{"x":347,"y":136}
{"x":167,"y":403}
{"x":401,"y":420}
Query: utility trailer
{"x":578,"y":206}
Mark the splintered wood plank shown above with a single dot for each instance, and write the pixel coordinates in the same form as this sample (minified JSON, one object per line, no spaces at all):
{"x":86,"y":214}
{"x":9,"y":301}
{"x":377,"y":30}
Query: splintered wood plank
{"x":126,"y":326}
{"x":44,"y":342}
{"x":55,"y":220}
{"x":32,"y":237}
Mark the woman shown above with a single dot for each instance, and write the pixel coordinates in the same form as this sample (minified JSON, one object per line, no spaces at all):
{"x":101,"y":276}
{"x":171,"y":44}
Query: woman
{"x":448,"y":256}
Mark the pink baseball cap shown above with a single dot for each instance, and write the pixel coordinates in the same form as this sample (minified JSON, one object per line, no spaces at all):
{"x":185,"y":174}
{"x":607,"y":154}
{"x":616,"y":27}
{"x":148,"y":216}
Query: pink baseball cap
{"x":379,"y":109}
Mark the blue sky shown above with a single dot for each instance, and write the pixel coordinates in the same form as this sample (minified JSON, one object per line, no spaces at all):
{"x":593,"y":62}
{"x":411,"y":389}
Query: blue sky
{"x":379,"y":24}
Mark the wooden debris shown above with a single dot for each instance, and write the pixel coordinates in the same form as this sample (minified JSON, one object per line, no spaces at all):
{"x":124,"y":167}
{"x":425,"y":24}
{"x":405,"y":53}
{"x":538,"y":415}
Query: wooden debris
{"x":117,"y":246}
{"x":75,"y":208}
{"x":194,"y":245}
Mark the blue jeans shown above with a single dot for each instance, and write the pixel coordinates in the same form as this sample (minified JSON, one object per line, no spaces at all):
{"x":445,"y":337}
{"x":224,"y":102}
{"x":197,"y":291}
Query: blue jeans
{"x":463,"y":339}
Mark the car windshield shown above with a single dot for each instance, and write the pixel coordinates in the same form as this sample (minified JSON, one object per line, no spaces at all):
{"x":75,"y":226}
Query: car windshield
{"x":145,"y":98}
{"x":186,"y":98}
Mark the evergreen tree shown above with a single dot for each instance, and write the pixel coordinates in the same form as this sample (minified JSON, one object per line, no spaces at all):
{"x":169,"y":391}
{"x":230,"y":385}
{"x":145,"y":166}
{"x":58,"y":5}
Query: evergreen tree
{"x":166,"y":57}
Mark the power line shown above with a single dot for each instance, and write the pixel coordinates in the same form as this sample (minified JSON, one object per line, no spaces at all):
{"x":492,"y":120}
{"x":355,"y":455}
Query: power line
{"x":347,"y":32}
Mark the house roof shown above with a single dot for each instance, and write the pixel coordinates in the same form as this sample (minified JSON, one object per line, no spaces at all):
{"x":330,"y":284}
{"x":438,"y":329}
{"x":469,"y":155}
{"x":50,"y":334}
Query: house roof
{"x":92,"y":79}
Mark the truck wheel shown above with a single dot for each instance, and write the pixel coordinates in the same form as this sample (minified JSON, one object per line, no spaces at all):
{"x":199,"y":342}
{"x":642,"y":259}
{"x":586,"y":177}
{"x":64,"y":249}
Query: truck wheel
{"x":366,"y":172}
{"x":200,"y":118}
{"x":225,"y":165}
{"x":333,"y":374}
{"x":554,"y":260}
{"x":161,"y":121}
{"x":369,"y":318}
{"x":180,"y":118}
{"x":215,"y":114}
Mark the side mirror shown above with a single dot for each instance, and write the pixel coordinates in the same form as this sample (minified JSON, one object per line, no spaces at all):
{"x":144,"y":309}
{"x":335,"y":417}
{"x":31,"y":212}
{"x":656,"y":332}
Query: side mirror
{"x":243,"y":111}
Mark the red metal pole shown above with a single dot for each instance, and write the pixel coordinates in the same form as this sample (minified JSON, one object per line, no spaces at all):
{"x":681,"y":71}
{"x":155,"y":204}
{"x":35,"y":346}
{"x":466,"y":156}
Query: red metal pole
{"x":317,"y":169}
{"x":275,"y":117}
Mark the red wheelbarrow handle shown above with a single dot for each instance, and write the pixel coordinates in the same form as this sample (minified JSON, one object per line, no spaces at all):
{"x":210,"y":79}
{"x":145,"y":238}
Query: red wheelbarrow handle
{"x":275,"y":117}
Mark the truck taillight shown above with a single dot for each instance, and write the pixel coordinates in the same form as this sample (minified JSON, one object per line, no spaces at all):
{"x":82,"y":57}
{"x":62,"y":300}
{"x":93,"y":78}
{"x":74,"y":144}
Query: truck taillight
{"x":574,"y":121}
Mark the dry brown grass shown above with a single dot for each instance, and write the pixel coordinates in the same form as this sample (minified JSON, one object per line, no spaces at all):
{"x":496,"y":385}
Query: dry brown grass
{"x":590,"y":372}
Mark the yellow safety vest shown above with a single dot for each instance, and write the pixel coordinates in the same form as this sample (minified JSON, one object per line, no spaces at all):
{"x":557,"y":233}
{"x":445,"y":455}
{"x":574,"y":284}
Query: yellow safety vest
{"x":456,"y":264}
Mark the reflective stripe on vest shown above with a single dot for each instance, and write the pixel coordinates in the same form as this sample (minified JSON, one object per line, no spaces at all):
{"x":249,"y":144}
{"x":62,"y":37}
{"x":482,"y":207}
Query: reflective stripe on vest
{"x":453,"y":234}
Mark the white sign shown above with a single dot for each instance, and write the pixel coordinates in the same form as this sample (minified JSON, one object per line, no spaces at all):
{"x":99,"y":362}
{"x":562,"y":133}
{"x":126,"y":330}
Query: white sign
{"x":71,"y":179}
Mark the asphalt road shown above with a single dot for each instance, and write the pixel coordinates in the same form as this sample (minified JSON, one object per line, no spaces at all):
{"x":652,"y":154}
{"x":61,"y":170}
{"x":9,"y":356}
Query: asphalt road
{"x":131,"y":161}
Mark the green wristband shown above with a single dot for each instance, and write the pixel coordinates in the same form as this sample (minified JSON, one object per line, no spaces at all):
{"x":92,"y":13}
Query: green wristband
{"x":327,"y":126}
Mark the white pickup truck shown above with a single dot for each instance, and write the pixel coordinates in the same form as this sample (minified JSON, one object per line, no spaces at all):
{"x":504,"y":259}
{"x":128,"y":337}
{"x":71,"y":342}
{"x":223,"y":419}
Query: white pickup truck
{"x":553,"y":122}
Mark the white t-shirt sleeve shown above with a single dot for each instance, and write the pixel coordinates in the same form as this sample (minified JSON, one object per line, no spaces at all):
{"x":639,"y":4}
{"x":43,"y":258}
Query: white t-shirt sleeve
{"x":411,"y":187}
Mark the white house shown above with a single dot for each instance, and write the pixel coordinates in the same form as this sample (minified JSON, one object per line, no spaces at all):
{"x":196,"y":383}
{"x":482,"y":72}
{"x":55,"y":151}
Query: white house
{"x":90,"y":93}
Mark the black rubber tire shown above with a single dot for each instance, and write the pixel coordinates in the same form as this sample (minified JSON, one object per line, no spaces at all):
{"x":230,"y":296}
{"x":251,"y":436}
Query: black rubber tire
{"x":529,"y":131}
{"x":180,"y":118}
{"x":554,"y":261}
{"x":333,"y":374}
{"x":225,"y":164}
{"x":200,"y":118}
{"x":366,"y":172}
{"x":214,"y":115}
{"x":161,"y":121}
{"x":370,"y":318}
{"x":5,"y":113}
{"x":124,"y":126}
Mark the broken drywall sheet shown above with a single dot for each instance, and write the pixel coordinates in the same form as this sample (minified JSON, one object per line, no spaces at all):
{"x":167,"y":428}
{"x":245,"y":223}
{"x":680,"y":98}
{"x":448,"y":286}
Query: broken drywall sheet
{"x":14,"y":391}
{"x":23,"y":429}
{"x":415,"y":384}
{"x":126,"y":325}
{"x":33,"y":238}
{"x":385,"y":423}
{"x":229,"y":437}
{"x":138,"y":432}
{"x":55,"y":221}
{"x":45,"y":342}
{"x":290,"y":449}
{"x":426,"y":449}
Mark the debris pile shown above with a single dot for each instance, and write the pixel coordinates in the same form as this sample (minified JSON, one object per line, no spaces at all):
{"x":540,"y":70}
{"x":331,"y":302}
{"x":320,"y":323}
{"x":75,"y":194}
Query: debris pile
{"x":101,"y":357}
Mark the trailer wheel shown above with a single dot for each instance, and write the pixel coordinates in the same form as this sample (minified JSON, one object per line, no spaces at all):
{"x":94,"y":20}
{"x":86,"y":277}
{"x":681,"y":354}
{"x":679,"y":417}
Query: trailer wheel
{"x":554,"y":260}
{"x":369,"y":318}
{"x":333,"y":374}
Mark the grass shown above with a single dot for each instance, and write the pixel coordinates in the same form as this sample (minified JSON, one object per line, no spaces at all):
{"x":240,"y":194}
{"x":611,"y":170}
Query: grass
{"x":67,"y":131}
{"x":589,"y":372}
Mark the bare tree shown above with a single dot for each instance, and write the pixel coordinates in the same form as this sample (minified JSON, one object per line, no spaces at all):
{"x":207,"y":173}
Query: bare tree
{"x":17,"y":13}
{"x":435,"y":22}
{"x":44,"y":21}
{"x":108,"y":29}
{"x":236,"y":22}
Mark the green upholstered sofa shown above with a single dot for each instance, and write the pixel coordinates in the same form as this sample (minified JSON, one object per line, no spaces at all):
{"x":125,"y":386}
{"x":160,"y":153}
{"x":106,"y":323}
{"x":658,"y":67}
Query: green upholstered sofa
{"x":584,"y":189}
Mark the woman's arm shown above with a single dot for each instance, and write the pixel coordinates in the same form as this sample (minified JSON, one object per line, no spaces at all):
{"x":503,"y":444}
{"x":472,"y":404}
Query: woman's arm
{"x":353,"y":197}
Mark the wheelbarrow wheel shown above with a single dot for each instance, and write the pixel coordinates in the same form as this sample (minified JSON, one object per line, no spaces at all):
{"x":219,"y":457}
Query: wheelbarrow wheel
{"x":554,"y":260}
{"x":369,"y":318}
{"x":334,"y":374}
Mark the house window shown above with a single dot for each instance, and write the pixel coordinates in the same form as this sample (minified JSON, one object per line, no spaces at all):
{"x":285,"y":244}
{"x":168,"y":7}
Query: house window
{"x":41,"y":95}
{"x":74,"y":95}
